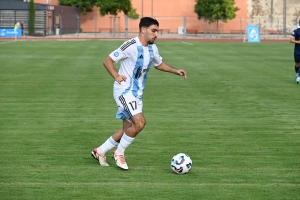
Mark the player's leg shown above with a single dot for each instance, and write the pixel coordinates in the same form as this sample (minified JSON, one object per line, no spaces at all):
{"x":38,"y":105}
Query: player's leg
{"x":118,"y":134}
{"x":110,"y":143}
{"x":297,"y":70}
{"x":129,"y":108}
{"x":297,"y":66}
{"x":114,"y":140}
{"x":137,"y":124}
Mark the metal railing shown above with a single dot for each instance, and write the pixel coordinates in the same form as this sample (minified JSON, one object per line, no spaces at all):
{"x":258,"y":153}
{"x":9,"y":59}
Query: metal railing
{"x":177,"y":27}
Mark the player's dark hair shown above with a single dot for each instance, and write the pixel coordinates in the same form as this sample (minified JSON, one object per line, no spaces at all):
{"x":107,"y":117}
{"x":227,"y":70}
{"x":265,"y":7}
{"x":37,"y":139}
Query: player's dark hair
{"x":147,"y":21}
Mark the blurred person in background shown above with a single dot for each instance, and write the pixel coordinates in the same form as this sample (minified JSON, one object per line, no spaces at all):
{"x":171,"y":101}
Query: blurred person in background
{"x":295,"y":38}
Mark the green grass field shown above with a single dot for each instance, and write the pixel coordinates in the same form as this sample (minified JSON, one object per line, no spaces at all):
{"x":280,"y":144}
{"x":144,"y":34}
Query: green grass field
{"x":236,"y":115}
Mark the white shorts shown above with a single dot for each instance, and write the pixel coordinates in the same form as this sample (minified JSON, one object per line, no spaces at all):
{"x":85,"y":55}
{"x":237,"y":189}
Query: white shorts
{"x":128,"y":106}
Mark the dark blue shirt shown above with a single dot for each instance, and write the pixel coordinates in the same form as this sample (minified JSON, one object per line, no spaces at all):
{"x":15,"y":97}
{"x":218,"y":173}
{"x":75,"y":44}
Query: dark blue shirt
{"x":296,"y":35}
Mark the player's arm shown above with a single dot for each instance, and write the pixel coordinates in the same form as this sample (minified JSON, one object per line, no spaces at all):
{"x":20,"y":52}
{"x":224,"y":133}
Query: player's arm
{"x":167,"y":68}
{"x":109,"y":66}
{"x":292,"y":40}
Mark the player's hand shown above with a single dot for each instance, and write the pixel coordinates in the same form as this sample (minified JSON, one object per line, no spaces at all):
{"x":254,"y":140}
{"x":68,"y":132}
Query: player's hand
{"x":181,"y":72}
{"x":121,"y":78}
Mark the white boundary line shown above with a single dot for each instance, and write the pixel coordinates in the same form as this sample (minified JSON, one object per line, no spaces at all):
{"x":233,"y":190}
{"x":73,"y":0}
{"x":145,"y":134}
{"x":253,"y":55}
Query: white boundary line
{"x":46,"y":57}
{"x":6,"y":42}
{"x":187,"y":43}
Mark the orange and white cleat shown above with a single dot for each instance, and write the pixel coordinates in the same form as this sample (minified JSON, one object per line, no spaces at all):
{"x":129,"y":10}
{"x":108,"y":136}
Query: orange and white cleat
{"x":120,"y":160}
{"x":100,"y":158}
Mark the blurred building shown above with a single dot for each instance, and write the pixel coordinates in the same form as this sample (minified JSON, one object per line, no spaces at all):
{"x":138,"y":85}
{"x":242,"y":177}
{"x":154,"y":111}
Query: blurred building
{"x":271,"y":16}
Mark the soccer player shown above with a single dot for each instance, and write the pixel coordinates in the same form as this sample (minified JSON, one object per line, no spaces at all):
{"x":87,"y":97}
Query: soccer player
{"x":295,"y":38}
{"x":136,"y":57}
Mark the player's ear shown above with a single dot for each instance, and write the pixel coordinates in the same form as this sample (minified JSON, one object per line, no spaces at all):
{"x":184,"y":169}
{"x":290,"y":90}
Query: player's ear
{"x":144,"y":30}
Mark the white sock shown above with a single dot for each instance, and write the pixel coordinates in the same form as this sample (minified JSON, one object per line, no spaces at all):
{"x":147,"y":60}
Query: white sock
{"x":124,"y":143}
{"x":109,"y":144}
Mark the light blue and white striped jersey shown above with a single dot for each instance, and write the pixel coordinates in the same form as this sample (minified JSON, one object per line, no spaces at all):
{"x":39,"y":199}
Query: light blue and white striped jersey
{"x":135,"y":62}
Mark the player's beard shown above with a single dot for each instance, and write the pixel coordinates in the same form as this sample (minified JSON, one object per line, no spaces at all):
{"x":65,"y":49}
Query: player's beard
{"x":152,"y":41}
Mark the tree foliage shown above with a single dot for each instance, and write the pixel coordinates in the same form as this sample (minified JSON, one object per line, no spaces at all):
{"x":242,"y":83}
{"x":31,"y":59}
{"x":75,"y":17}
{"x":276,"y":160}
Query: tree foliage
{"x":31,"y":20}
{"x":133,"y":14}
{"x":114,"y":7}
{"x":215,"y":10}
{"x":84,"y":5}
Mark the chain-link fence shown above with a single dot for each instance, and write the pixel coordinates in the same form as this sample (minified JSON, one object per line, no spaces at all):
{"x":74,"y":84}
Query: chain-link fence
{"x":65,"y":25}
{"x":183,"y":27}
{"x":43,"y":21}
{"x":49,"y":20}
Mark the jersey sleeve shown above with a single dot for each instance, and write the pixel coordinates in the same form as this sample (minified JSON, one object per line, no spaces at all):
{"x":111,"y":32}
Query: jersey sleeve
{"x":119,"y":54}
{"x":293,"y":34}
{"x":157,"y":60}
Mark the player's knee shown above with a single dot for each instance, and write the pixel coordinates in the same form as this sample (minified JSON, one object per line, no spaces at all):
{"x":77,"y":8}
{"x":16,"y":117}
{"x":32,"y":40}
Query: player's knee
{"x":140,"y":124}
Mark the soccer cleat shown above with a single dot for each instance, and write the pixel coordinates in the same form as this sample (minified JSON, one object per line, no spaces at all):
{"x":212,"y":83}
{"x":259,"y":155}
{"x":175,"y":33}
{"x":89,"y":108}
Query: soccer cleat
{"x":298,"y":80}
{"x":120,"y":160}
{"x":100,"y":158}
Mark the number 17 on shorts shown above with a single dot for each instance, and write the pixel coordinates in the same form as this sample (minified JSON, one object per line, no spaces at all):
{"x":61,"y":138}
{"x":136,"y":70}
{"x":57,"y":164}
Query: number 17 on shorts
{"x":128,"y":106}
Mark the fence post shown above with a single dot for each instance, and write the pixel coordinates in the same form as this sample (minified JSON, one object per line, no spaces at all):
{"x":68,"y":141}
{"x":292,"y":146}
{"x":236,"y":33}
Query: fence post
{"x":78,"y":25}
{"x":222,"y":27}
{"x":284,"y":18}
{"x":277,"y":28}
{"x":259,"y":25}
{"x":217,"y":31}
{"x":272,"y":13}
{"x":210,"y":31}
{"x":95,"y":19}
{"x":126,"y":26}
{"x":241,"y":27}
{"x":204,"y":27}
{"x":184,"y":27}
{"x":297,"y":16}
{"x":60,"y":26}
{"x":115,"y":26}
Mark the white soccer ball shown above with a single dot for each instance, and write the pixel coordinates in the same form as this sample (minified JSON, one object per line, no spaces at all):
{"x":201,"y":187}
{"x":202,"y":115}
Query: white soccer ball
{"x":181,"y":163}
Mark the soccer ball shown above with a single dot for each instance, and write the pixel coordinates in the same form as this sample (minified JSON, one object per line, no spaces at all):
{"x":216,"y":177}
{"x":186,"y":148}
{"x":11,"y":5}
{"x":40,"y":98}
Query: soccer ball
{"x":181,"y":163}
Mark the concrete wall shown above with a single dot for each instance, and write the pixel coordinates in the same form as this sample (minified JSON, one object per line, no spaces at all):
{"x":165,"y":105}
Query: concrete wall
{"x":169,"y":14}
{"x":269,"y":13}
{"x":50,"y":2}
